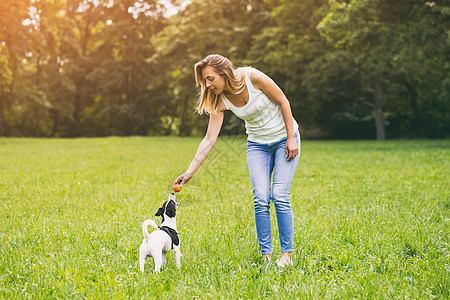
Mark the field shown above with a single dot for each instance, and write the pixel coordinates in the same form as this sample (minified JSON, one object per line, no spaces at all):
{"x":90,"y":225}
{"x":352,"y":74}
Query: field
{"x":371,"y":219}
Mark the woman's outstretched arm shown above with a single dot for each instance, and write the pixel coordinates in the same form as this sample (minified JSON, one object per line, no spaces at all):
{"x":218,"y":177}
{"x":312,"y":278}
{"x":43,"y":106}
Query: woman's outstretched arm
{"x":205,"y":147}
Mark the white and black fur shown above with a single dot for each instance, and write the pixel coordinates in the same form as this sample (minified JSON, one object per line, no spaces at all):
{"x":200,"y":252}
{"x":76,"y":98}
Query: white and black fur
{"x":164,"y":239}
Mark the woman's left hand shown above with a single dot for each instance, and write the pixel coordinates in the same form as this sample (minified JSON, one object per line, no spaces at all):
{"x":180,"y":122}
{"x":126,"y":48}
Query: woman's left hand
{"x":291,"y":149}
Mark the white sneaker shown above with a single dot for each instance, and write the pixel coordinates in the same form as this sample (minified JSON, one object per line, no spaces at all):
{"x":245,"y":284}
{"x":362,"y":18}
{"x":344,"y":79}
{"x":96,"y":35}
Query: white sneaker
{"x":285,"y":261}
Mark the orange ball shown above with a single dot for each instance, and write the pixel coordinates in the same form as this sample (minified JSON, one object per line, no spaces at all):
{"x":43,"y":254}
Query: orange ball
{"x":177,"y":188}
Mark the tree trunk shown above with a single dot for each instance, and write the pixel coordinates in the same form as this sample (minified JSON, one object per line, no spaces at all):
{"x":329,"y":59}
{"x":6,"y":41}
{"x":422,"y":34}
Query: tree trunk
{"x":37,"y":131}
{"x":378,"y":108}
{"x":79,"y":97}
{"x":411,"y":86}
{"x":2,"y":112}
{"x":76,"y":112}
{"x":77,"y":102}
{"x":183,"y":128}
{"x":37,"y":106}
{"x":55,"y":122}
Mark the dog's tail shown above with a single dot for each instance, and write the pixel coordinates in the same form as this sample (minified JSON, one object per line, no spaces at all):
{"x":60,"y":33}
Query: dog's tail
{"x":145,"y":225}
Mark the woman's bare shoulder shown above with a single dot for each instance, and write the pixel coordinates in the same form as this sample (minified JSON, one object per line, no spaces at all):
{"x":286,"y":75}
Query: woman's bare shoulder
{"x":221,"y":106}
{"x":258,"y":78}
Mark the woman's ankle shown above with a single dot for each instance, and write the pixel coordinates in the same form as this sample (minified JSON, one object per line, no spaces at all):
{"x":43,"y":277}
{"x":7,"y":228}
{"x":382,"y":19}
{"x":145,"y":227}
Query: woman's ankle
{"x":267,"y":257}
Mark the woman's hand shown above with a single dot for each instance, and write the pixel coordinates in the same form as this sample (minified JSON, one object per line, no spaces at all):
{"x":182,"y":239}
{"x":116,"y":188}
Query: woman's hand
{"x":291,"y":148}
{"x":182,"y":179}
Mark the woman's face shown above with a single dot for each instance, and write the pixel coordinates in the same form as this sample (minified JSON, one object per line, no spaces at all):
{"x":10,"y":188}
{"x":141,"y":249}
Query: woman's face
{"x":213,"y":81}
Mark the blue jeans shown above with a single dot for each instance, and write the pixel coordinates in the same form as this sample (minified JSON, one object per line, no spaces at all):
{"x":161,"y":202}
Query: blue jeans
{"x":263,"y":161}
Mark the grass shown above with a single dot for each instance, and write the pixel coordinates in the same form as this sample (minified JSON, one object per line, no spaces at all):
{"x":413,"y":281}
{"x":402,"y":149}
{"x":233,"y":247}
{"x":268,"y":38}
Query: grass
{"x":371,"y":220}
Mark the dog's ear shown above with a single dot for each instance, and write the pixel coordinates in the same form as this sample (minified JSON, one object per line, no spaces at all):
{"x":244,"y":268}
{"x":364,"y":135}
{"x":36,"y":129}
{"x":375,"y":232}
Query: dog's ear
{"x":170,"y":209}
{"x":160,"y":212}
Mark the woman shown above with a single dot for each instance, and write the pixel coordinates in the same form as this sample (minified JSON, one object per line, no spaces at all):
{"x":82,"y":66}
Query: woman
{"x":272,"y":145}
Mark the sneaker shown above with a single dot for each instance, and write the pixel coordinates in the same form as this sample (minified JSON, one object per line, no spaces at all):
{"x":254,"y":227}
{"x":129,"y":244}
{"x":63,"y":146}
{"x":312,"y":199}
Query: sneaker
{"x":285,"y":261}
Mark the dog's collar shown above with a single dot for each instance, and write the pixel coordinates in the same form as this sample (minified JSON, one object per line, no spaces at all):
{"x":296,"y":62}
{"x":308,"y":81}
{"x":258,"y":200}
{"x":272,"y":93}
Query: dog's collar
{"x":172,"y":233}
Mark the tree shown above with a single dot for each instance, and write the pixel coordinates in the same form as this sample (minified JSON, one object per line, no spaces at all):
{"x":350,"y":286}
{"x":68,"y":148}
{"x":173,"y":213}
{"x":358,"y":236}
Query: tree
{"x":5,"y":83}
{"x":292,"y":52}
{"x":127,"y":84}
{"x":203,"y":27}
{"x":13,"y":45}
{"x":382,"y":37}
{"x":123,"y":67}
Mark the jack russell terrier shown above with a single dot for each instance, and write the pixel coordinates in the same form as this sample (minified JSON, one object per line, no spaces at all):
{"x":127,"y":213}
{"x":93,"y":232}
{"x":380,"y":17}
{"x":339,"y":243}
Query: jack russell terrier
{"x":164,"y":239}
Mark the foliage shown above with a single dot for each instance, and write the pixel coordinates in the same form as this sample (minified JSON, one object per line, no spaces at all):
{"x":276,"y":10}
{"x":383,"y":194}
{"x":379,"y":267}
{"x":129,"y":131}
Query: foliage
{"x":125,"y":67}
{"x":371,"y":220}
{"x":391,"y":41}
{"x":204,"y":27}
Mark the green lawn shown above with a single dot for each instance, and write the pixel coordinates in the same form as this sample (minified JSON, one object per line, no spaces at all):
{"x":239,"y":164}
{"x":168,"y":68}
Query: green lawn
{"x":371,"y":218}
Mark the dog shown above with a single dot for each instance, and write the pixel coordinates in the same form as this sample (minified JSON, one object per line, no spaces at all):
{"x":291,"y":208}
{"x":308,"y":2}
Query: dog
{"x":164,"y":239}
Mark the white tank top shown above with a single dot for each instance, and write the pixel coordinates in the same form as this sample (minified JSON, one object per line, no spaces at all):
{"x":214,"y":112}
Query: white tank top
{"x":263,"y":119}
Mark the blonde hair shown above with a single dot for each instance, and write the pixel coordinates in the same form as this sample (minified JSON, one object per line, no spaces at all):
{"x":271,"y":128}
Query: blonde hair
{"x":234,"y":81}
